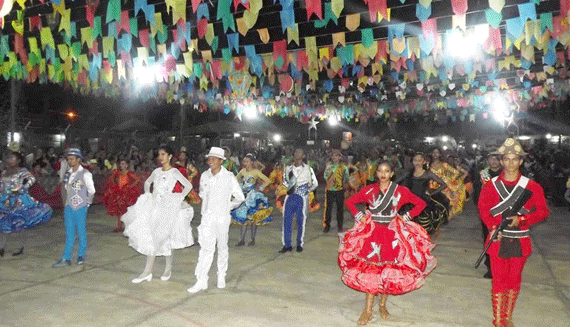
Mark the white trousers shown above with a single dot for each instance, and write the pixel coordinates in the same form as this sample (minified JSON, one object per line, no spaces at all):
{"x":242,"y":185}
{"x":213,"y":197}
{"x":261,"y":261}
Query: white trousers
{"x":210,"y":234}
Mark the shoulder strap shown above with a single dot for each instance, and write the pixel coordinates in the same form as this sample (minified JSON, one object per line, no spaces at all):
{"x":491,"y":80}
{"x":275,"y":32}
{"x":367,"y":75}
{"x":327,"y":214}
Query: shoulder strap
{"x":508,"y":199}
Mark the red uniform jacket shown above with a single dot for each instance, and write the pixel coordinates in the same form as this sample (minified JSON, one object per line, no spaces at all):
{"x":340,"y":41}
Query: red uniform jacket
{"x":536,"y":205}
{"x":369,"y":194}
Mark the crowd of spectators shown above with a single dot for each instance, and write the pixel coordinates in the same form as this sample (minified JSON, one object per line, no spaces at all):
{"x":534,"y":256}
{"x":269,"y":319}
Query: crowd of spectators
{"x":548,"y":164}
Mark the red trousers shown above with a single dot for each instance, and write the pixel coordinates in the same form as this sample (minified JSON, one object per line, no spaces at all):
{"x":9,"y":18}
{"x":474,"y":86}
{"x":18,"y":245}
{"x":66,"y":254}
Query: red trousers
{"x":506,"y":273}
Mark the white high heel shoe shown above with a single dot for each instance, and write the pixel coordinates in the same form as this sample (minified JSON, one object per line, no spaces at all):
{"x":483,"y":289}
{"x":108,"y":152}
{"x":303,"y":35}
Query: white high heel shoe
{"x":139,"y":280}
{"x":166,"y":276}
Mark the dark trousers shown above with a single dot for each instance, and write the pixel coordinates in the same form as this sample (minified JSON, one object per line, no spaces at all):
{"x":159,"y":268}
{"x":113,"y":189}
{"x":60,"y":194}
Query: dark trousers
{"x":332,"y":198}
{"x":485,"y":233}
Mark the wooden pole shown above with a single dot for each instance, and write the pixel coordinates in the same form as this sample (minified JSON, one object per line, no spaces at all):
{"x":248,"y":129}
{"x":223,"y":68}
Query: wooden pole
{"x":12,"y":110}
{"x":182,"y":123}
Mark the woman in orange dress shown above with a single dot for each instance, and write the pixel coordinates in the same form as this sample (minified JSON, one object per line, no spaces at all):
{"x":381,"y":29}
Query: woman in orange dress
{"x":192,"y":174}
{"x":122,"y":190}
{"x":357,"y":177}
{"x":453,"y":177}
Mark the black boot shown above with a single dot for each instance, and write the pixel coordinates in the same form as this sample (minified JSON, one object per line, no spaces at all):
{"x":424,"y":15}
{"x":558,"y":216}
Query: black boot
{"x":2,"y":252}
{"x":285,"y":249}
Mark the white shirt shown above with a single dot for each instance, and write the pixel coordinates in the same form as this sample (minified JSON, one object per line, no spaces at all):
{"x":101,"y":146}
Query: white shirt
{"x":220,"y":194}
{"x":303,"y":175}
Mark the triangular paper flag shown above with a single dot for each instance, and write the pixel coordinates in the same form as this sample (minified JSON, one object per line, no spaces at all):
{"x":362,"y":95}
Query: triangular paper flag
{"x":263,"y":35}
{"x":352,"y":22}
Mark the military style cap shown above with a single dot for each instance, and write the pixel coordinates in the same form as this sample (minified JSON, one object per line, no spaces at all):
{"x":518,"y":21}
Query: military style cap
{"x":511,"y":146}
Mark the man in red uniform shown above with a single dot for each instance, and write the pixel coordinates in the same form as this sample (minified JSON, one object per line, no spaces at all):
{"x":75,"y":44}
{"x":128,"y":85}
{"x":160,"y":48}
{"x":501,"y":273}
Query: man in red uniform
{"x":493,"y":169}
{"x":510,"y":250}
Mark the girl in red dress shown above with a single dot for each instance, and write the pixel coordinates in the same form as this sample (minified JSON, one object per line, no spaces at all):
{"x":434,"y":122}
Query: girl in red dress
{"x":122,"y":190}
{"x":384,"y":253}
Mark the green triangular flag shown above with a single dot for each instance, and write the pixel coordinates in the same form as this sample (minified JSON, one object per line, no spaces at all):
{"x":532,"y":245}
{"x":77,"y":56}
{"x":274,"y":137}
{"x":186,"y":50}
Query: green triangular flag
{"x":112,"y":58}
{"x":134,"y":26}
{"x":367,"y":37}
{"x":227,"y":55}
{"x":214,"y":44}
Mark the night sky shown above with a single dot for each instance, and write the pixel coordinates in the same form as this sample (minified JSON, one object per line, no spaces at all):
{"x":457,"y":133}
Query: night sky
{"x":45,"y":105}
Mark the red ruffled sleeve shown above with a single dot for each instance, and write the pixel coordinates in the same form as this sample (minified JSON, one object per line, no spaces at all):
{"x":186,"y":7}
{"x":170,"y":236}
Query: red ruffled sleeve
{"x":361,"y":196}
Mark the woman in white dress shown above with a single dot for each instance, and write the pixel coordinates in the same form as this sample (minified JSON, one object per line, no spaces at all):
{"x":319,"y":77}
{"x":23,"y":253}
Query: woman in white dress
{"x":153,"y":223}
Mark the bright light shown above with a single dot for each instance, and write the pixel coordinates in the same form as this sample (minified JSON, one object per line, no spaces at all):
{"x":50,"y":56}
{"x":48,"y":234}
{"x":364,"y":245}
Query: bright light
{"x":277,"y":137}
{"x":501,"y":110}
{"x":474,"y":146}
{"x":444,"y":147}
{"x":144,"y":75}
{"x":17,"y":137}
{"x":333,"y":121}
{"x":250,"y":111}
{"x":444,"y":138}
{"x":71,"y":114}
{"x":236,"y":135}
{"x":460,"y":45}
{"x":524,"y":138}
{"x":173,"y":138}
{"x":429,"y":139}
{"x":548,"y":136}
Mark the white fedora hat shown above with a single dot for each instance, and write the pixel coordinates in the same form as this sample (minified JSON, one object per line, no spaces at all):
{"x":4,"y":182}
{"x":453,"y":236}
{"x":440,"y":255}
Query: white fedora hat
{"x":216,"y":152}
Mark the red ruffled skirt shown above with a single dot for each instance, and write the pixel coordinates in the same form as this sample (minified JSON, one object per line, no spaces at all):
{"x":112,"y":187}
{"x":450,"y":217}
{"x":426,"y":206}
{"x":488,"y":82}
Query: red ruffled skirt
{"x":118,"y":199}
{"x":54,"y":200}
{"x":392,"y":258}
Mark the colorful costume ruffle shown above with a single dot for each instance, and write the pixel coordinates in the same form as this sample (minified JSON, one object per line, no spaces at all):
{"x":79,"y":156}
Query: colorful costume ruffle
{"x":121,"y":192}
{"x":255,"y":209}
{"x":356,"y":180}
{"x":435,"y":213}
{"x":281,"y":192}
{"x":392,"y":258}
{"x":54,"y":200}
{"x":455,"y":190}
{"x":18,"y":210}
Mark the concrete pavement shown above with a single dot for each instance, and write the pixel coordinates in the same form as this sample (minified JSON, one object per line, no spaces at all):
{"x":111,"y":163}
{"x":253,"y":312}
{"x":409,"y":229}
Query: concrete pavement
{"x":270,"y":289}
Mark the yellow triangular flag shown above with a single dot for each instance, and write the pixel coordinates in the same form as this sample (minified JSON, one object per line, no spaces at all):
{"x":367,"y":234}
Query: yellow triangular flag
{"x":209,"y":33}
{"x":142,"y":55}
{"x":293,"y":34}
{"x":263,"y":35}
{"x":352,"y":22}
{"x":242,"y":26}
{"x":65,"y":23}
{"x":63,"y":51}
{"x":188,"y":61}
{"x":58,"y":8}
{"x":338,"y":38}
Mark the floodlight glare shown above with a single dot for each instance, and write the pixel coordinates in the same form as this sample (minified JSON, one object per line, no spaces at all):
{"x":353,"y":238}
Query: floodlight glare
{"x":444,"y":138}
{"x":277,"y":137}
{"x":250,"y":111}
{"x":144,"y":75}
{"x":462,"y":46}
{"x":500,"y":110}
{"x":333,"y":121}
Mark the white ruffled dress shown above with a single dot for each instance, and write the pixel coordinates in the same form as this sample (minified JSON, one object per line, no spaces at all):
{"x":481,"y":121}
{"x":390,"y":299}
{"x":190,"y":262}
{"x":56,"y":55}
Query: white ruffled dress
{"x":159,"y":221}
